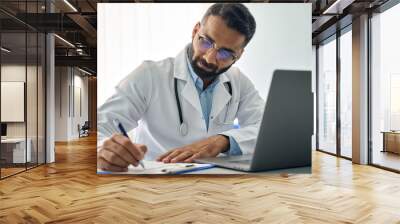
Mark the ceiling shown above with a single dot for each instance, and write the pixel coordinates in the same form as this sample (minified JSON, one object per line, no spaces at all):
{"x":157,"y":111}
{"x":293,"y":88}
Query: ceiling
{"x":76,"y":22}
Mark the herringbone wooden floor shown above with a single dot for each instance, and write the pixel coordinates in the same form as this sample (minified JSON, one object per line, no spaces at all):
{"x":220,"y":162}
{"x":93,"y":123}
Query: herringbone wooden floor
{"x":69,"y":191}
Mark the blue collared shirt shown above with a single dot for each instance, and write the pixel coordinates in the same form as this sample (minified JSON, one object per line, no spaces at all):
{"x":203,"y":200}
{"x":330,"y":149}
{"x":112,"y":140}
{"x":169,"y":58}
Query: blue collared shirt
{"x":206,"y":98}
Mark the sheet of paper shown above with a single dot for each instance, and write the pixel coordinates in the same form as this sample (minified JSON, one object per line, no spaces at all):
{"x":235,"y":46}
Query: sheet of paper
{"x":151,"y":167}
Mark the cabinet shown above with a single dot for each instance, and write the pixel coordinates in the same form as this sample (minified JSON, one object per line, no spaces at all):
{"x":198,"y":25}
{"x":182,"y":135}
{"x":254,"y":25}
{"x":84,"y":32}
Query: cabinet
{"x":391,"y":141}
{"x":13,"y":150}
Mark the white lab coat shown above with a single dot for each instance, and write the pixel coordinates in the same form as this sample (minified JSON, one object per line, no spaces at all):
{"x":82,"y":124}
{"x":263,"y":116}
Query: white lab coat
{"x":145,"y":100}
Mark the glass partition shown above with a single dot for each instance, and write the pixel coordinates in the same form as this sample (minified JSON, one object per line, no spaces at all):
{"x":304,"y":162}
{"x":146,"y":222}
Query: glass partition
{"x":32,"y":73}
{"x":41,"y":87}
{"x":23,"y":89}
{"x":32,"y":96}
{"x":13,"y":105}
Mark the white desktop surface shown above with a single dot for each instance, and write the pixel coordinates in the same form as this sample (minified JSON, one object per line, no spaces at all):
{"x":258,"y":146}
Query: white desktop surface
{"x":19,"y":150}
{"x":13,"y":140}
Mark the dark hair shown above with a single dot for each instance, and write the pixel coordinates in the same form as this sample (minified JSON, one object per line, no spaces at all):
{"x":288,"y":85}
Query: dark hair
{"x":236,"y":16}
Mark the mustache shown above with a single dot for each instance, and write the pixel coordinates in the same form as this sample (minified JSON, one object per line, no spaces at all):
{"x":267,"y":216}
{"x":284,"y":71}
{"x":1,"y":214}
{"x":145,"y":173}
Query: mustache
{"x":207,"y":65}
{"x":200,"y":71}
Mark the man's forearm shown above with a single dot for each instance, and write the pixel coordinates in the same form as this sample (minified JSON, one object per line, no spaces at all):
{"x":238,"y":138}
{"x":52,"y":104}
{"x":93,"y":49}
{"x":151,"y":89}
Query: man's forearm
{"x":227,"y":148}
{"x":233,"y":147}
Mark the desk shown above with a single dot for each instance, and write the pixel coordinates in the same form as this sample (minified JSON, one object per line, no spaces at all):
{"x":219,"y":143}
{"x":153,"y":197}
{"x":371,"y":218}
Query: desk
{"x":13,"y":150}
{"x":220,"y":170}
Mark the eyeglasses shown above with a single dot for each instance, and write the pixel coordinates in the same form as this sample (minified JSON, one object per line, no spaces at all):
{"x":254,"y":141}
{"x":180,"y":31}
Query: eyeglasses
{"x":206,"y":44}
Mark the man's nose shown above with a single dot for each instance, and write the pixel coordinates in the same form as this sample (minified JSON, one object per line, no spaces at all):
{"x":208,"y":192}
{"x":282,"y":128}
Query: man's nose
{"x":211,"y":56}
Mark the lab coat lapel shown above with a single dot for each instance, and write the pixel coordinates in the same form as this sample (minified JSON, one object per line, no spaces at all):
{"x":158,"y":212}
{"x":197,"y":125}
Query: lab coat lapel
{"x":221,"y":96}
{"x":188,"y":92}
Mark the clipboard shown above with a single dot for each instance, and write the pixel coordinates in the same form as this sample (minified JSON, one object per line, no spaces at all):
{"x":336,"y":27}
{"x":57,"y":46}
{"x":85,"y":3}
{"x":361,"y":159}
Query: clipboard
{"x":154,"y":167}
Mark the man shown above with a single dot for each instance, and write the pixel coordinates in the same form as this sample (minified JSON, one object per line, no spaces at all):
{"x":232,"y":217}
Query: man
{"x":183,"y":108}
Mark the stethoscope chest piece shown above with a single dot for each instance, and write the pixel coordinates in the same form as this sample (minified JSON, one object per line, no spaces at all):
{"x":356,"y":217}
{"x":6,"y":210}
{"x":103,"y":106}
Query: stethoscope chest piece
{"x":183,"y":129}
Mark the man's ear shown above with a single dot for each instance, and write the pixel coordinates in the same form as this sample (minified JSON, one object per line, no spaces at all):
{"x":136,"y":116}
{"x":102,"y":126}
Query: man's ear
{"x":196,"y":29}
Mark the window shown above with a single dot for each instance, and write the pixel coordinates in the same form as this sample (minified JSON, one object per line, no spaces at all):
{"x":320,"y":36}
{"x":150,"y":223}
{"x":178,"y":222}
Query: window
{"x":394,"y":101}
{"x":346,"y":94}
{"x":385,"y":89}
{"x":327,"y":97}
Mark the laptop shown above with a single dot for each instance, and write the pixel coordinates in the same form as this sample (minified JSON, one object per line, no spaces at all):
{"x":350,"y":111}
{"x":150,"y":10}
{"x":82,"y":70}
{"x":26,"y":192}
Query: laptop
{"x":284,"y":137}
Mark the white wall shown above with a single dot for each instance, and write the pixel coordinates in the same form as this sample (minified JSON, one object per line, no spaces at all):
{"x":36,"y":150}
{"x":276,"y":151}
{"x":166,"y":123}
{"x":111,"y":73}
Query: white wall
{"x":67,"y":80}
{"x":282,"y":41}
{"x":61,"y":103}
{"x":131,"y":33}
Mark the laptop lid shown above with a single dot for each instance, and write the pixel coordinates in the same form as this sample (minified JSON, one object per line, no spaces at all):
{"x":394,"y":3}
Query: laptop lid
{"x":284,"y":139}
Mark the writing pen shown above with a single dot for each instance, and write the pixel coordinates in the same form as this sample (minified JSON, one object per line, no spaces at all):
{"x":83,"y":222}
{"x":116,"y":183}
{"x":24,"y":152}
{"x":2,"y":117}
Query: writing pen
{"x":186,"y":169}
{"x":187,"y":165}
{"x":122,"y":130}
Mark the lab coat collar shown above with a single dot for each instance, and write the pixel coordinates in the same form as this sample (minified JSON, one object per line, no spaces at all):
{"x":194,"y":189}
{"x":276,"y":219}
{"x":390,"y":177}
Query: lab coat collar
{"x":181,"y":71}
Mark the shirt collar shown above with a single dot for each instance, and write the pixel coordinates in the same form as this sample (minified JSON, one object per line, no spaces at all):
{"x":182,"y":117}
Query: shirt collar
{"x":196,"y":79}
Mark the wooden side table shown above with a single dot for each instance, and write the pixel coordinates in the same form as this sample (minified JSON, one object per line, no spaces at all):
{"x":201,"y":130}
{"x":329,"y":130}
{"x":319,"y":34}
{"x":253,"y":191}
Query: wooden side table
{"x":391,"y":141}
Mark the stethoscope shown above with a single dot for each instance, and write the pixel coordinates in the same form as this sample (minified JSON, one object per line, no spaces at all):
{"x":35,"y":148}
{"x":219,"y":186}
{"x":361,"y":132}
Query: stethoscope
{"x":183,"y":128}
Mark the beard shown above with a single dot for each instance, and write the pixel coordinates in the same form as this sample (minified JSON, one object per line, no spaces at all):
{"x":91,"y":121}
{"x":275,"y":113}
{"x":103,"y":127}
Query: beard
{"x":209,"y":72}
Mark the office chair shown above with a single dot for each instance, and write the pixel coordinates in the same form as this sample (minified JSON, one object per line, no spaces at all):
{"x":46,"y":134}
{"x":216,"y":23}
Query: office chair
{"x":84,"y":130}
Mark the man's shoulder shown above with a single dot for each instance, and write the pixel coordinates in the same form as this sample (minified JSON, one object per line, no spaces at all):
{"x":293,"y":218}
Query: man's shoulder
{"x":148,"y":71}
{"x":160,"y":65}
{"x":150,"y":68}
{"x":235,"y":74}
{"x":239,"y":79}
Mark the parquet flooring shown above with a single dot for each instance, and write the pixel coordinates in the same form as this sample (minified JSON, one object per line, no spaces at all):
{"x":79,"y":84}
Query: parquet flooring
{"x":70,"y":191}
{"x":9,"y":171}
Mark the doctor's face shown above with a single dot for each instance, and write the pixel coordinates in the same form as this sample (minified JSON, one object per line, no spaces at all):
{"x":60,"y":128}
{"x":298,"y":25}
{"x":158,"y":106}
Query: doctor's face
{"x":215,"y":47}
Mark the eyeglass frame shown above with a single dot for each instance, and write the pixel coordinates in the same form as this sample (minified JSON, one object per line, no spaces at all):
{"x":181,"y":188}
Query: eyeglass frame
{"x":202,"y":38}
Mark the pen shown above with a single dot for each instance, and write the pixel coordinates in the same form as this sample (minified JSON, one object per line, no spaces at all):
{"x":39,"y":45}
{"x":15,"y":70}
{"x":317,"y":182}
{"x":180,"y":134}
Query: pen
{"x":187,"y":169}
{"x":187,"y":165}
{"x":122,"y":129}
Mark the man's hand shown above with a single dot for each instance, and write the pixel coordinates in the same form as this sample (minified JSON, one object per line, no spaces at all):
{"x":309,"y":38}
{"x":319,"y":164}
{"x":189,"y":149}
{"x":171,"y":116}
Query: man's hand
{"x":118,"y":152}
{"x":209,"y":147}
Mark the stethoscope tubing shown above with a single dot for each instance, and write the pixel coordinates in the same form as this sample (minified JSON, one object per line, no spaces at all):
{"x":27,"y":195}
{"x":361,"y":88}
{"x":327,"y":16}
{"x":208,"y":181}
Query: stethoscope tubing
{"x":183,"y":128}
